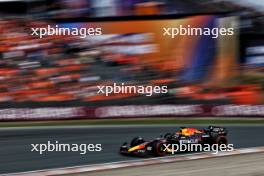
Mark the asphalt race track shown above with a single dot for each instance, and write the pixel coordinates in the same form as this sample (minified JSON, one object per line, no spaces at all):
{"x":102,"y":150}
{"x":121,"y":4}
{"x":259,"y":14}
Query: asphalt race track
{"x":16,"y":155}
{"x":238,"y":165}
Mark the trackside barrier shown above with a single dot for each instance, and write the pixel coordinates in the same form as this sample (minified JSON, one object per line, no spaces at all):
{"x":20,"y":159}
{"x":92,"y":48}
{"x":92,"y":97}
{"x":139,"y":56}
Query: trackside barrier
{"x":131,"y":111}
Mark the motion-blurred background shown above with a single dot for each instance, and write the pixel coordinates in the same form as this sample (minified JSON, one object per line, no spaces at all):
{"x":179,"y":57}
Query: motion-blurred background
{"x":66,"y":70}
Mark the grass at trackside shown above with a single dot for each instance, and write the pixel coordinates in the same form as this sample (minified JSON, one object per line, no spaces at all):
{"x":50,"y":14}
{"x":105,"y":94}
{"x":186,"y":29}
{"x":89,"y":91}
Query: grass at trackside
{"x":153,"y":121}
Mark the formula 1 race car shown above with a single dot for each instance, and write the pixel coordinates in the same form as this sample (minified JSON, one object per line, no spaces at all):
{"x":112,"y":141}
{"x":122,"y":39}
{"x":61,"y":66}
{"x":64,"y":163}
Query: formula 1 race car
{"x":160,"y":146}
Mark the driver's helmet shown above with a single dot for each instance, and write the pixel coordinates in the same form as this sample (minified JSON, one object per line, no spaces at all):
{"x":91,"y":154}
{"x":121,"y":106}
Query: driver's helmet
{"x":188,"y":131}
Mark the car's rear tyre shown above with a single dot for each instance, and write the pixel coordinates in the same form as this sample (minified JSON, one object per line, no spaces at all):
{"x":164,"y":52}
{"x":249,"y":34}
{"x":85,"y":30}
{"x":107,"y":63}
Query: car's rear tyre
{"x":136,"y":141}
{"x":221,"y":140}
{"x":159,"y":148}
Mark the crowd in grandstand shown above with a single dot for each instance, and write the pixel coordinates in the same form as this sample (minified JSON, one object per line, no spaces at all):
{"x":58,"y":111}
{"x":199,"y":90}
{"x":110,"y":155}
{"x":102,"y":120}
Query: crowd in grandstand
{"x":65,"y":68}
{"x":59,"y":68}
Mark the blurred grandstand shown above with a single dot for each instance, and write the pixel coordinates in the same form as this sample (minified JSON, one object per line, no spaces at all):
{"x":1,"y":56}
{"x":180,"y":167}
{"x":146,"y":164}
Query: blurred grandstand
{"x":65,"y":71}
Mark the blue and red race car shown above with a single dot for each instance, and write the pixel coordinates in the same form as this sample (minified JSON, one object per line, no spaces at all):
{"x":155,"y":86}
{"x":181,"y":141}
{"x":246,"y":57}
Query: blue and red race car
{"x":164,"y":145}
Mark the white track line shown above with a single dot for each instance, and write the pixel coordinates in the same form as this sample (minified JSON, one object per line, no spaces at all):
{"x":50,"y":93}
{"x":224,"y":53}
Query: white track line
{"x":134,"y":163}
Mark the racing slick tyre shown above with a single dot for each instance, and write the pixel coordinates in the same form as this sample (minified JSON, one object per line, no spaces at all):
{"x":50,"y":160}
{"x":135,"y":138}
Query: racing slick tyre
{"x":221,"y":140}
{"x":136,"y":141}
{"x":159,"y":148}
